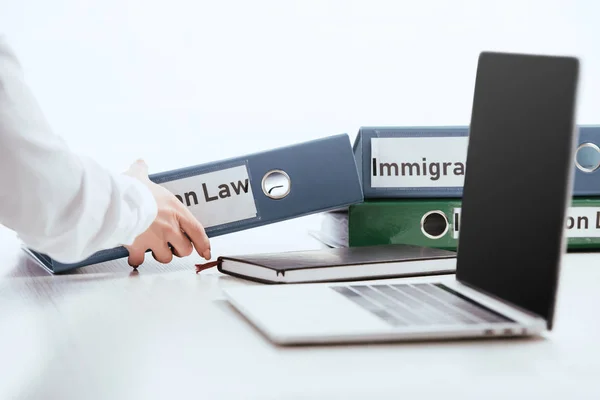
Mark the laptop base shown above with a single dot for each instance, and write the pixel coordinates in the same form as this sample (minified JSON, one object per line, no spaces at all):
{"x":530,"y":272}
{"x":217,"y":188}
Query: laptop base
{"x":323,"y":314}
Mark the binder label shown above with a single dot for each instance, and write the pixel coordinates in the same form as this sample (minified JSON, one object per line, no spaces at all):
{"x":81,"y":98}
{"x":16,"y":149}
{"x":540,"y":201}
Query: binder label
{"x":581,"y":222}
{"x":418,"y":162}
{"x":216,"y":198}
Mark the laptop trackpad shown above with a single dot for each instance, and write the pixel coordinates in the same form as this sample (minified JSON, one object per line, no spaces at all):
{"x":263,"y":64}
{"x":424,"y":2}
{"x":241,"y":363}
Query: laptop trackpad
{"x":303,"y":310}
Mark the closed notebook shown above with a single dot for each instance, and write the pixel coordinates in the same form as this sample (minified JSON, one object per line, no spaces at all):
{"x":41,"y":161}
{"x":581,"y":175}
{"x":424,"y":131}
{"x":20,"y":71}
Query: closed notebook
{"x":339,"y":264}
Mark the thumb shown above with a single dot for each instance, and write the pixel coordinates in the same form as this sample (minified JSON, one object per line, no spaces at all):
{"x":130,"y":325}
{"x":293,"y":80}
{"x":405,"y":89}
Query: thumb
{"x":138,"y":169}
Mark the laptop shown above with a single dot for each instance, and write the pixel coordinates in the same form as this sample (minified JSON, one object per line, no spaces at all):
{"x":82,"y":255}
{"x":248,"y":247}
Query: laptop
{"x":516,"y":193}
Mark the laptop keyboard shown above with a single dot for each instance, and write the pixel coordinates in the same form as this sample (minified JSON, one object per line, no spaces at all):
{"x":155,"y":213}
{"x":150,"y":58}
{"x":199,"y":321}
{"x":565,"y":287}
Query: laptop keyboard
{"x":419,"y":304}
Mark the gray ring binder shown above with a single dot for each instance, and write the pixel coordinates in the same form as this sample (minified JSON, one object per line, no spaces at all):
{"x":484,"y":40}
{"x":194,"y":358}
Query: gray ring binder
{"x":590,"y":160}
{"x":276,"y":184}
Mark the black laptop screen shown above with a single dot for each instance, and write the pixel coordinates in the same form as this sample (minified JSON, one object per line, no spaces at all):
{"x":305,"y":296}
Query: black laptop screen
{"x":518,"y":178}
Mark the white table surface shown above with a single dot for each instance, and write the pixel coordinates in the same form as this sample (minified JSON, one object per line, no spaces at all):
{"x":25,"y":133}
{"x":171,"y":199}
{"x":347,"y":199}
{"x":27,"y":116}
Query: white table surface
{"x":104,"y":332}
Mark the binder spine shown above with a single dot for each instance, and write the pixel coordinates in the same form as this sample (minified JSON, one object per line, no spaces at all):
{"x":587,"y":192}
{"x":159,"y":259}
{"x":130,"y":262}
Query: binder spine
{"x":429,"y":162}
{"x":436,"y":223}
{"x":421,"y":222}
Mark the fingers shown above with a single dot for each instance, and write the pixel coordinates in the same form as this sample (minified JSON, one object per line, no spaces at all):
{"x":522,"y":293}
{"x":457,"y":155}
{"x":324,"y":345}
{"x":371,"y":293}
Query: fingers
{"x":162,"y":253}
{"x":195,"y":231}
{"x":136,"y":257}
{"x":182,"y":247}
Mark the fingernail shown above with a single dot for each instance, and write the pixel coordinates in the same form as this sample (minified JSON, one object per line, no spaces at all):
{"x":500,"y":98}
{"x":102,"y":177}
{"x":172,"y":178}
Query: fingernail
{"x":206,"y":254}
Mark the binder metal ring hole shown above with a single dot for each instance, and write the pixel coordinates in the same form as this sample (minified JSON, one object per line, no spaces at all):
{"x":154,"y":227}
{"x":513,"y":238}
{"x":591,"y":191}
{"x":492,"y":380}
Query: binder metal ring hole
{"x":587,"y":157}
{"x":276,"y":184}
{"x":434,"y":224}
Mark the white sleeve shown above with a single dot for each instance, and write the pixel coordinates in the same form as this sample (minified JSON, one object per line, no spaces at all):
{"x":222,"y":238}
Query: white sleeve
{"x":59,"y":203}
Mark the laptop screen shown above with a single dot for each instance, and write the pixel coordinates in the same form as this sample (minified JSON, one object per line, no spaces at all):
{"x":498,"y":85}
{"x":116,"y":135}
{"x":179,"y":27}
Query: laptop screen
{"x":518,"y":178}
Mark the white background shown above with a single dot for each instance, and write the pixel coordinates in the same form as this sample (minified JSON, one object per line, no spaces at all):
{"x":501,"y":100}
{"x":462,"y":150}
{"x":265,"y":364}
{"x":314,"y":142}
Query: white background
{"x":181,"y":82}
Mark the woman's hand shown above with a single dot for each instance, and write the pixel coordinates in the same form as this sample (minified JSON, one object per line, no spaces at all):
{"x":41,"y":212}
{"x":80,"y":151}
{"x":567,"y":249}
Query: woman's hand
{"x":173,"y":226}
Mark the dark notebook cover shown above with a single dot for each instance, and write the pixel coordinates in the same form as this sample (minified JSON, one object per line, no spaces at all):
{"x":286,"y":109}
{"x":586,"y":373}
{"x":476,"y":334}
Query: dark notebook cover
{"x":396,"y":254}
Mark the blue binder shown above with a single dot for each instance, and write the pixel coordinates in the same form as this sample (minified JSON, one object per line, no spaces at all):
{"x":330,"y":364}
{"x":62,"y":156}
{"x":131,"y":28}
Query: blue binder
{"x":257,"y":189}
{"x":429,"y":161}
